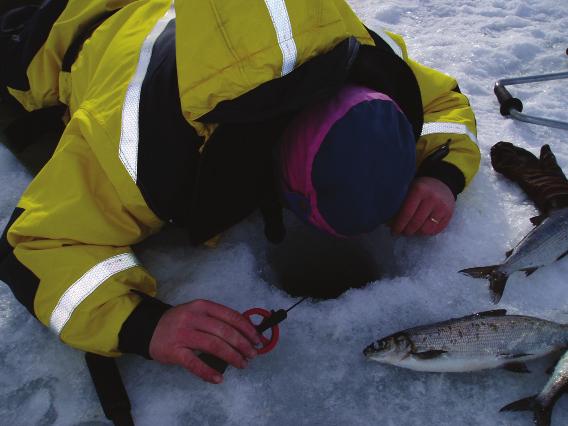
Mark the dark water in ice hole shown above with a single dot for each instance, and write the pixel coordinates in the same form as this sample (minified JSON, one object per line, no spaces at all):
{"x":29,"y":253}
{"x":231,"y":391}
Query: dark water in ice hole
{"x":310,"y":263}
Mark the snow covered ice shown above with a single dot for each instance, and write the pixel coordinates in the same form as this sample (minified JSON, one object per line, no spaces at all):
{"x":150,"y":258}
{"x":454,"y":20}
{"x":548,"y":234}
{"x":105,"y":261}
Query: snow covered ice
{"x":317,"y":375}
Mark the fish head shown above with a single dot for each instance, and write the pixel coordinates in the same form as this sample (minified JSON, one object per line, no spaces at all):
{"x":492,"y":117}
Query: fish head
{"x":390,"y":349}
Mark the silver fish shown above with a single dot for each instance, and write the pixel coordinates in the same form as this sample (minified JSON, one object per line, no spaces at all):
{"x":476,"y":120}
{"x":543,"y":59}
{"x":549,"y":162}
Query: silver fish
{"x":542,"y":246}
{"x":485,"y":340}
{"x":543,"y":403}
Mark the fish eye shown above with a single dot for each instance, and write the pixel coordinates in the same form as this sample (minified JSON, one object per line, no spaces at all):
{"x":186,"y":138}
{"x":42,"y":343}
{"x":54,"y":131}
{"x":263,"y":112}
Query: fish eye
{"x":381,"y":344}
{"x":400,"y":340}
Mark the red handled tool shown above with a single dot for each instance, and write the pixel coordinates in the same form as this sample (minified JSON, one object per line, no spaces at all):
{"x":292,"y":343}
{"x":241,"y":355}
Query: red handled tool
{"x":270,"y":321}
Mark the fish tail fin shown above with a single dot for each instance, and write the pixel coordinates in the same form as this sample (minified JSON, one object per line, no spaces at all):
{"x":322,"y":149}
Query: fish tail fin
{"x":542,"y":417}
{"x":497,"y":279}
{"x":541,"y":413}
{"x":497,"y":283}
{"x":480,"y":271}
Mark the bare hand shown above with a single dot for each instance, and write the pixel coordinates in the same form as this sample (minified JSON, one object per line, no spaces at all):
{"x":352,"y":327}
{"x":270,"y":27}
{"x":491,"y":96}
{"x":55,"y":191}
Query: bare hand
{"x":205,"y":326}
{"x":427,"y":209}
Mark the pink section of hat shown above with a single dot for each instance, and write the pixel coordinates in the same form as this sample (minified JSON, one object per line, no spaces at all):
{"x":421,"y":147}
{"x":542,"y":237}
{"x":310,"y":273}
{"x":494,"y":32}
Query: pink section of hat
{"x":304,"y":136}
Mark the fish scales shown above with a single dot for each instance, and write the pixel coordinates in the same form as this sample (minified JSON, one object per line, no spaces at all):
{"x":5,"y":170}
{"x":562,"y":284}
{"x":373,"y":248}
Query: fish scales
{"x":476,"y":342}
{"x":542,"y":246}
{"x":556,"y":383}
{"x":488,"y":335}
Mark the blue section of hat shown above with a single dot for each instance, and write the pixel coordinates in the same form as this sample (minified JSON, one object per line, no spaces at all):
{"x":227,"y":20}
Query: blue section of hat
{"x":364,"y":167}
{"x":299,"y":204}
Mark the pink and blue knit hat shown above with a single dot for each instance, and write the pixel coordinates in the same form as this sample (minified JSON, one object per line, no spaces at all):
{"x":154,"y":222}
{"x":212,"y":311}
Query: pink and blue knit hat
{"x":347,"y":162}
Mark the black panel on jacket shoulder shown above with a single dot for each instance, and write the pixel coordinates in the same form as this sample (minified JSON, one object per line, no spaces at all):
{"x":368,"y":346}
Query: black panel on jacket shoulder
{"x":379,"y":68}
{"x":316,"y":79}
{"x":24,"y":31}
{"x":168,"y":151}
{"x":20,"y":279}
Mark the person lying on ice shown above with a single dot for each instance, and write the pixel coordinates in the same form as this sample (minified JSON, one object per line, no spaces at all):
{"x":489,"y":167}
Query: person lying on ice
{"x":195,"y":115}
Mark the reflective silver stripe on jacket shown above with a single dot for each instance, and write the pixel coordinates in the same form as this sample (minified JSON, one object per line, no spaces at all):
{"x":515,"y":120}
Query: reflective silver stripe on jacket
{"x":283,"y":26}
{"x":86,"y":285}
{"x":456,"y":128}
{"x":390,"y":41}
{"x":128,"y":150}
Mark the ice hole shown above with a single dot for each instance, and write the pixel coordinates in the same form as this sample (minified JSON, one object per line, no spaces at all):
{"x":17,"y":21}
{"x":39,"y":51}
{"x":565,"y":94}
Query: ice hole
{"x":311,"y":263}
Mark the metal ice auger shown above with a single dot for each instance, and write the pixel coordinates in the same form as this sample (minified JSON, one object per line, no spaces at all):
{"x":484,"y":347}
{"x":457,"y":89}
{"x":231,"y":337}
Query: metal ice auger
{"x":513,"y":107}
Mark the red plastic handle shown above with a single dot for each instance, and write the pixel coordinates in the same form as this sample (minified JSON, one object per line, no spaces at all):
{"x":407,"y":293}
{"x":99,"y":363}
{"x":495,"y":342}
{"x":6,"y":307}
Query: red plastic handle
{"x":268,"y":344}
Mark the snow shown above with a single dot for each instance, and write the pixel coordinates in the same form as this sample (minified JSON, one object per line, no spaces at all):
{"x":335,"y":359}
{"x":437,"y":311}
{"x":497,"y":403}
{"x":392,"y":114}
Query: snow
{"x":317,"y":375}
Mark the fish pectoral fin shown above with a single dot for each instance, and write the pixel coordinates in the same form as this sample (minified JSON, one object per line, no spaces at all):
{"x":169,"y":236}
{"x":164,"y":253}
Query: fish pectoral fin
{"x":525,"y":404}
{"x":516,"y":367}
{"x":537,"y":220}
{"x":428,"y":354}
{"x":529,"y":271}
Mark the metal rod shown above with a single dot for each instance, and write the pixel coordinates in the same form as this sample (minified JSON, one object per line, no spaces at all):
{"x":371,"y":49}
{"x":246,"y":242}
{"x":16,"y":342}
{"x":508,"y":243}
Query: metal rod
{"x":295,"y":304}
{"x":513,"y":107}
{"x":538,"y":120}
{"x":532,"y":78}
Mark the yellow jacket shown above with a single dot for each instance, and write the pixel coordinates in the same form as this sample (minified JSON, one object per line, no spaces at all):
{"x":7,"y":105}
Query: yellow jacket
{"x":66,"y":252}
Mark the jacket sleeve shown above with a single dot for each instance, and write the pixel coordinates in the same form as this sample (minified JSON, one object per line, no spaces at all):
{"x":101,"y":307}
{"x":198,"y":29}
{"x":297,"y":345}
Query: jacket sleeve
{"x":448,"y":120}
{"x":66,"y":257}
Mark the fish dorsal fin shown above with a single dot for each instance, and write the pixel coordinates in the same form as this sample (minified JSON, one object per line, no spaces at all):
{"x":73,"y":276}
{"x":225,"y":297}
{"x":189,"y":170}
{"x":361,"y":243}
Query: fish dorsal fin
{"x":428,"y":354}
{"x":530,"y":271}
{"x":493,"y":313}
{"x":509,"y":252}
{"x":537,"y":220}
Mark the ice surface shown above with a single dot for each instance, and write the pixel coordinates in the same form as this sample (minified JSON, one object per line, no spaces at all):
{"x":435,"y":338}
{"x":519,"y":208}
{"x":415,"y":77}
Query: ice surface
{"x":317,"y":375}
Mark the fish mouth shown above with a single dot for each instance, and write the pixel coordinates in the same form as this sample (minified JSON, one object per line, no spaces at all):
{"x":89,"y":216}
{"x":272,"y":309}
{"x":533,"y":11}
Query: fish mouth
{"x":369,"y":351}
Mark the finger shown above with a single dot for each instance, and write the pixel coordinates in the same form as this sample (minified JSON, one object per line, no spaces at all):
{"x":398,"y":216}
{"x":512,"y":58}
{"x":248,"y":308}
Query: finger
{"x":231,"y":317}
{"x":226,"y":333}
{"x":437,"y":221}
{"x":406,"y":213}
{"x":188,"y":360}
{"x":432,"y":224}
{"x":444,"y":223}
{"x":213,"y":345}
{"x":421,"y":215}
